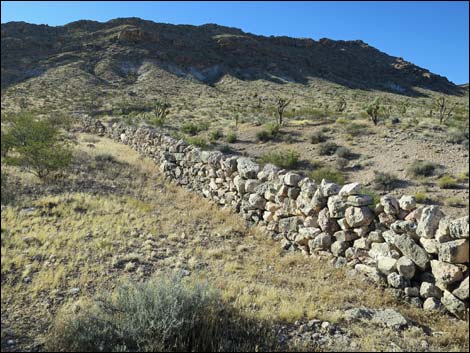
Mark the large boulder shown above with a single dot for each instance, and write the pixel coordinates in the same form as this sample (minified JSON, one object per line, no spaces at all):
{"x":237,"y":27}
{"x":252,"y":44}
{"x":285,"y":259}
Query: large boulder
{"x":445,"y":273}
{"x":461,"y":291}
{"x":429,"y":221}
{"x":413,"y":251}
{"x":358,"y":216}
{"x":336,"y":206}
{"x":407,"y":203}
{"x":454,"y":305}
{"x":350,"y":189}
{"x":247,"y":168}
{"x":455,"y":252}
{"x":292,"y":179}
{"x":459,"y":228}
{"x":406,"y":267}
{"x":390,"y":205}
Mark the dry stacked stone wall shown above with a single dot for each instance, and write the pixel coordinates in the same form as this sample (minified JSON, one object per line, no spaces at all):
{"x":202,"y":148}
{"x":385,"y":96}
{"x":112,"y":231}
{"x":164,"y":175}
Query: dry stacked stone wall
{"x":415,"y":249}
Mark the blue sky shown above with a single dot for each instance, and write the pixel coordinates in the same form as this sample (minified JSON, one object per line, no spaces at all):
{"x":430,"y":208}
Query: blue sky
{"x":431,"y":34}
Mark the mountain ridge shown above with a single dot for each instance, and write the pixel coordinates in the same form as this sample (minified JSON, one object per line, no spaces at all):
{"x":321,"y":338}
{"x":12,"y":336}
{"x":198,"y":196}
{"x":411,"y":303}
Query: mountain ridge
{"x":207,"y":53}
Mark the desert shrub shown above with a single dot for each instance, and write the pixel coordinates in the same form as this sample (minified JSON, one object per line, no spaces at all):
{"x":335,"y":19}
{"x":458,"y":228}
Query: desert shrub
{"x":355,"y":129}
{"x":6,"y":193}
{"x":328,"y":173}
{"x":231,"y":137}
{"x":105,"y":158}
{"x":282,"y":159}
{"x":422,"y":168}
{"x":318,"y":137}
{"x":344,"y":152}
{"x":454,"y":202}
{"x":447,"y":182}
{"x":215,"y":135}
{"x":270,"y":132}
{"x":35,"y":145}
{"x":198,"y":141}
{"x":163,"y":314}
{"x":385,"y":181}
{"x":193,"y":128}
{"x":225,"y":148}
{"x":341,"y":163}
{"x":328,"y":148}
{"x":458,"y":136}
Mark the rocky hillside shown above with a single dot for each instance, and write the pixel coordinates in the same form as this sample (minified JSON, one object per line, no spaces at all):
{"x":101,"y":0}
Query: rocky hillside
{"x":123,"y":51}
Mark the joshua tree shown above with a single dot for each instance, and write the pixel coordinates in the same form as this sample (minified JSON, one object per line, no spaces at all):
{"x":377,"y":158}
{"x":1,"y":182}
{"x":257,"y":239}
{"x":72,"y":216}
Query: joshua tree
{"x":444,"y":111}
{"x":373,"y":110}
{"x":161,"y":109}
{"x":281,"y":105}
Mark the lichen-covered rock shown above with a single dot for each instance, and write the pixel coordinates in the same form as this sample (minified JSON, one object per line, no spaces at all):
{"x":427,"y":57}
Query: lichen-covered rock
{"x":359,"y":200}
{"x":350,"y":189}
{"x":345,"y":235}
{"x":429,"y":290}
{"x":358,"y":216}
{"x":339,"y":247}
{"x":406,"y":267}
{"x":292,"y":179}
{"x":445,"y":274}
{"x":461,"y":291}
{"x":326,"y":223}
{"x":413,"y":251}
{"x":453,"y":304}
{"x":257,"y":201}
{"x":430,"y":245}
{"x":429,"y":221}
{"x":328,"y":189}
{"x":247,"y":168}
{"x":404,"y":227}
{"x":386,"y":265}
{"x":251,"y":185}
{"x":239,"y":183}
{"x":268,"y":172}
{"x":459,"y":228}
{"x":390,"y":205}
{"x":321,"y":242}
{"x":432,"y":304}
{"x":336,"y":206}
{"x":454,"y":252}
{"x":407,"y":202}
{"x":362,"y":243}
{"x":396,"y":280}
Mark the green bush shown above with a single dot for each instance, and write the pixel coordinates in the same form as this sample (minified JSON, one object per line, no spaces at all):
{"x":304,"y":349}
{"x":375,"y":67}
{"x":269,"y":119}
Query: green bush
{"x":421,"y":197}
{"x":270,"y":132}
{"x":35,"y":145}
{"x":447,"y":182}
{"x":422,"y":168}
{"x":198,"y":141}
{"x":375,"y":196}
{"x":193,"y":128}
{"x":231,"y":137}
{"x":164,"y":314}
{"x":385,"y":181}
{"x":215,"y":135}
{"x":282,"y":159}
{"x":329,"y":174}
{"x":328,"y":149}
{"x":355,"y":129}
{"x":318,"y":137}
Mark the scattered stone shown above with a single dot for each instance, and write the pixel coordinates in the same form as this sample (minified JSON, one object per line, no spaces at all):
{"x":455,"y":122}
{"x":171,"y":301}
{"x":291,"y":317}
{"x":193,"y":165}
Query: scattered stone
{"x":429,"y":221}
{"x":432,"y":303}
{"x":454,"y":305}
{"x":358,"y":216}
{"x":455,"y":252}
{"x":445,"y":273}
{"x":461,"y":291}
{"x":407,"y":203}
{"x":386,"y":265}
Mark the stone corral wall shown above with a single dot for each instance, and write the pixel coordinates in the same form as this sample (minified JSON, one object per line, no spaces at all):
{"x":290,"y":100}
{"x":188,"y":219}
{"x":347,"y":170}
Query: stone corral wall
{"x":417,"y":250}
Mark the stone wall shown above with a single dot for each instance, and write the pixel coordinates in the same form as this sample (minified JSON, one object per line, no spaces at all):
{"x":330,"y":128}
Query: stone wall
{"x":417,"y":250}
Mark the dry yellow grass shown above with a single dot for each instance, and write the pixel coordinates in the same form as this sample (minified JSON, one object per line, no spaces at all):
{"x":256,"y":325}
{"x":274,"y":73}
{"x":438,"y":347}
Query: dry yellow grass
{"x":89,"y":241}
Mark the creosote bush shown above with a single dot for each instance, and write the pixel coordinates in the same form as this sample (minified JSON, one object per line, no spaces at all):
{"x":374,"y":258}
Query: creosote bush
{"x":282,"y":159}
{"x":163,"y":314}
{"x":197,"y":141}
{"x":422,"y":168}
{"x":328,"y":149}
{"x":318,"y":137}
{"x":231,"y":137}
{"x":270,"y":132}
{"x":193,"y":128}
{"x":385,"y":181}
{"x":35,"y":145}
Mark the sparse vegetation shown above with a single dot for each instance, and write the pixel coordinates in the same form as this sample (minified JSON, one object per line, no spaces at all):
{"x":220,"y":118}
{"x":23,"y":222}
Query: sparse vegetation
{"x":373,"y":110}
{"x":164,"y":314}
{"x":270,"y":132}
{"x":328,"y":173}
{"x":421,"y":168}
{"x":198,"y":141}
{"x":215,"y":135}
{"x":283,"y":159}
{"x":193,"y":128}
{"x":385,"y":181}
{"x":318,"y":137}
{"x":328,"y":149}
{"x":447,"y":182}
{"x":231,"y":137}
